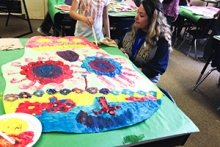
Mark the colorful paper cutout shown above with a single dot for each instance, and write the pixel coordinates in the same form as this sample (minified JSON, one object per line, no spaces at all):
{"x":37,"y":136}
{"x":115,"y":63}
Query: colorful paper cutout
{"x":73,"y":86}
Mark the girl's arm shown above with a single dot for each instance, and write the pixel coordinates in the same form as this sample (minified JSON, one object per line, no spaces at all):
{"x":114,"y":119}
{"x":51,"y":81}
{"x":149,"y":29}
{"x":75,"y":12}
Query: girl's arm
{"x":106,"y":21}
{"x":76,"y":16}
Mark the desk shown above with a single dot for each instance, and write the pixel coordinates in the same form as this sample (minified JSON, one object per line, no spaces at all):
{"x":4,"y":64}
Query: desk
{"x":194,"y":13}
{"x":169,"y":126}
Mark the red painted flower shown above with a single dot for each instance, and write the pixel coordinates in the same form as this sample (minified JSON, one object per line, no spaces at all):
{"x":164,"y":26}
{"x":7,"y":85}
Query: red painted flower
{"x":47,"y":71}
{"x":30,"y":108}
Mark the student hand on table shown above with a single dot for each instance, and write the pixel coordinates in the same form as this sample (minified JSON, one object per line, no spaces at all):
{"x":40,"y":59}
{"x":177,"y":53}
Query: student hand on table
{"x":123,"y":51}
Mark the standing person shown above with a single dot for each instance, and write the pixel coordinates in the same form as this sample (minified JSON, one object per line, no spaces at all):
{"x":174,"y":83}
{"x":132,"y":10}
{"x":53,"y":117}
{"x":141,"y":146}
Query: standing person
{"x":181,"y":20}
{"x":185,"y":3}
{"x":148,"y":44}
{"x":170,"y":9}
{"x":90,"y":14}
{"x":46,"y":25}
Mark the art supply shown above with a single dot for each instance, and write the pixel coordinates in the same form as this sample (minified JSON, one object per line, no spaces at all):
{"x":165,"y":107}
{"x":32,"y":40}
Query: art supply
{"x":93,"y":31}
{"x":10,"y":44}
{"x":6,"y":137}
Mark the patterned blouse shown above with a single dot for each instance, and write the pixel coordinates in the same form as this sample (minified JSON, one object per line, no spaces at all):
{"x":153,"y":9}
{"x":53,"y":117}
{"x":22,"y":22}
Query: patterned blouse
{"x":171,"y":9}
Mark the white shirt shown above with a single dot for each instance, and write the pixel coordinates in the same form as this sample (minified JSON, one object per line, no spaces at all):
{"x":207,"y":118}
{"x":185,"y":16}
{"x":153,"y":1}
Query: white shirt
{"x":94,"y":9}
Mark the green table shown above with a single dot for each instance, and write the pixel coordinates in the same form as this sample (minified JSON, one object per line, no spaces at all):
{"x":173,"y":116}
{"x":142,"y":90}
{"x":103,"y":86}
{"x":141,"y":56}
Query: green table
{"x":187,"y":12}
{"x":169,"y":125}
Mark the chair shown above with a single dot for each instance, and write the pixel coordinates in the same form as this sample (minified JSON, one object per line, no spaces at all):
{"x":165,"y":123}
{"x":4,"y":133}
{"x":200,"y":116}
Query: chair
{"x":178,"y":25}
{"x":68,"y":26}
{"x":121,"y":27}
{"x":165,"y":92}
{"x":7,"y":6}
{"x":63,"y":25}
{"x":200,"y":31}
{"x":215,"y":58}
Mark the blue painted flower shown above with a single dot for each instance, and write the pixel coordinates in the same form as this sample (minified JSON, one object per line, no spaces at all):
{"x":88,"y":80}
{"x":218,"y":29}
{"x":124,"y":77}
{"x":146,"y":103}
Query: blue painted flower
{"x":24,"y":95}
{"x":92,"y":90}
{"x":140,"y":92}
{"x":102,"y":66}
{"x":38,"y":93}
{"x":51,"y":91}
{"x":65,"y":91}
{"x":104,"y":91}
{"x":153,"y":93}
{"x":115,"y":92}
{"x":127,"y":92}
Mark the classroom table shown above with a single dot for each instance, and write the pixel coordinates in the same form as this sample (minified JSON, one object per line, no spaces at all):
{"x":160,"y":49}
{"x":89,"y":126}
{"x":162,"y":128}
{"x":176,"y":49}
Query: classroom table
{"x":194,"y":13}
{"x":169,"y":126}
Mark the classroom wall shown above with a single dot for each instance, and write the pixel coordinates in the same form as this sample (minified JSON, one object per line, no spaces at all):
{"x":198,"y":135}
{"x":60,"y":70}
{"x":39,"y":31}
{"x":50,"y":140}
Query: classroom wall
{"x":37,"y":9}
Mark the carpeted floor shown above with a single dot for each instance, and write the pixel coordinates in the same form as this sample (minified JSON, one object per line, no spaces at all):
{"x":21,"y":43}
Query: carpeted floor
{"x":200,"y":105}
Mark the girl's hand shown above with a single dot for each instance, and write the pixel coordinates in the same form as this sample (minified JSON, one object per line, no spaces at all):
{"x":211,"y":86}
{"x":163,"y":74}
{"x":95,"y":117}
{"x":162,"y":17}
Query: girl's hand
{"x":123,"y":51}
{"x":88,"y":21}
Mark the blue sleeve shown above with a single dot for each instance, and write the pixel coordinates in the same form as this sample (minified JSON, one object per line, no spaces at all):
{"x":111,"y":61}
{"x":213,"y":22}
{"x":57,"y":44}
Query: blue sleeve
{"x":159,"y":63}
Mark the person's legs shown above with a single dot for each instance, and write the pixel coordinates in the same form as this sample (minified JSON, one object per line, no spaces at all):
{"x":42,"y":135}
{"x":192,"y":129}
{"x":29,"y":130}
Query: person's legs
{"x":46,"y":25}
{"x":169,"y":20}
